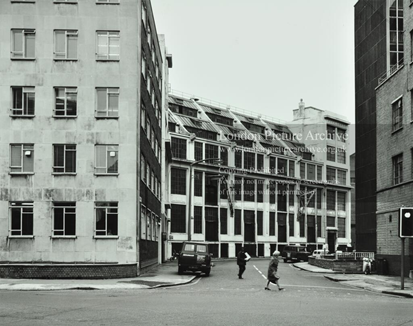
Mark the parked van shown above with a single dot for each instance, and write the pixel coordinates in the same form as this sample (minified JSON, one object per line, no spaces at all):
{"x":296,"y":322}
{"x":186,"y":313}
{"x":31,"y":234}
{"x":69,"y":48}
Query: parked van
{"x":319,"y":253}
{"x":295,"y":253}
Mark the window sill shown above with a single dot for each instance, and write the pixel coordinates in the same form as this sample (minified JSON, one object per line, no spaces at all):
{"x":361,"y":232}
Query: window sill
{"x":396,"y":131}
{"x":66,"y":2}
{"x":21,"y":236}
{"x":61,"y":59}
{"x":100,"y":117}
{"x":107,"y":3}
{"x":21,"y":173}
{"x":21,"y":1}
{"x":69,"y":237}
{"x":107,"y":60}
{"x":23,"y":59}
{"x":64,"y":116}
{"x":57,"y":174}
{"x":106,"y":174}
{"x":22,"y":116}
{"x":106,"y":237}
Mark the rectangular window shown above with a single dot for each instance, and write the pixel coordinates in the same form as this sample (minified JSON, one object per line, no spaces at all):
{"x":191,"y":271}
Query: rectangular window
{"x":310,"y":171}
{"x":291,"y":223}
{"x":197,"y":219}
{"x":302,"y":170}
{"x":23,"y":101}
{"x":224,"y":155}
{"x":260,"y":224}
{"x":273,"y":192}
{"x":65,"y":44}
{"x":143,"y":14}
{"x":178,"y":218}
{"x":341,"y":155}
{"x":23,"y":43}
{"x":331,"y":175}
{"x":319,"y":172}
{"x":143,"y":222}
{"x":272,"y":223}
{"x":331,"y":153}
{"x":211,"y":152}
{"x":249,"y":189}
{"x":331,"y":200}
{"x":178,"y":181}
{"x":237,"y":188}
{"x":260,"y":190}
{"x":143,"y":168}
{"x":341,"y":201}
{"x":22,"y":158}
{"x":178,"y":147}
{"x":397,"y":169}
{"x":237,"y":222}
{"x":108,"y":45}
{"x":21,"y":218}
{"x":143,"y":64}
{"x":341,"y":177}
{"x":106,"y":159}
{"x":397,"y":115}
{"x":282,"y":166}
{"x":249,"y":161}
{"x":65,"y":101}
{"x":223,"y":220}
{"x":64,"y":219}
{"x":291,"y":172}
{"x":331,"y":133}
{"x":341,"y":227}
{"x":281,"y":197}
{"x":238,"y":158}
{"x":64,"y":158}
{"x":143,"y":118}
{"x":260,"y":162}
{"x":106,"y":219}
{"x":198,"y":151}
{"x":198,"y":183}
{"x":107,"y":102}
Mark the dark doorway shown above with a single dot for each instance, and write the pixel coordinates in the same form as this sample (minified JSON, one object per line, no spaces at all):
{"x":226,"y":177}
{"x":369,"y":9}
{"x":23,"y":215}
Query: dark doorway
{"x":251,"y":249}
{"x":260,"y":250}
{"x":331,"y":241}
{"x":249,"y":226}
{"x":311,"y":229}
{"x":213,"y":249}
{"x":211,"y":224}
{"x":224,"y":250}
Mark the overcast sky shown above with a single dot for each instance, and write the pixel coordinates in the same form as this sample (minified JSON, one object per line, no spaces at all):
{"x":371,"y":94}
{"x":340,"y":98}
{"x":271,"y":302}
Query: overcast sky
{"x":262,"y":55}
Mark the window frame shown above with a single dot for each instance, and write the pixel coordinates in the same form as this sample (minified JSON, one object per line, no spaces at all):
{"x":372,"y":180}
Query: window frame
{"x":100,"y":56}
{"x":65,"y":159}
{"x":21,"y":205}
{"x":109,"y":91}
{"x":25,"y":100}
{"x":107,"y":2}
{"x":106,"y":205}
{"x":397,"y":169}
{"x":397,"y":114}
{"x":23,"y":151}
{"x":24,"y":56}
{"x":67,"y":94}
{"x":63,"y":205}
{"x":68,"y":33}
{"x":107,"y":148}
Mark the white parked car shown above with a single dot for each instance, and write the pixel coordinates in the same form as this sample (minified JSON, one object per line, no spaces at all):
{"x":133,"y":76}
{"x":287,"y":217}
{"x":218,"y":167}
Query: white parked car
{"x":319,"y":253}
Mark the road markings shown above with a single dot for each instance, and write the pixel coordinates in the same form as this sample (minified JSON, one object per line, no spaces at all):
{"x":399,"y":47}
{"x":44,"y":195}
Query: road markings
{"x":310,"y":286}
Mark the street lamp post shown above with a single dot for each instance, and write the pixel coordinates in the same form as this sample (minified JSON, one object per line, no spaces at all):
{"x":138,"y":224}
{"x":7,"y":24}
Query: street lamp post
{"x":218,"y":160}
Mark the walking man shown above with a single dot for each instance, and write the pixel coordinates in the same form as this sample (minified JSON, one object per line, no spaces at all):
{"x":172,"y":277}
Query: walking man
{"x":241,"y":262}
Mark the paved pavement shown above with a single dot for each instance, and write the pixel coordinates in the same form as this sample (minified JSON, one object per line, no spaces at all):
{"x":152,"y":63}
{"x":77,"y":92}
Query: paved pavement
{"x":166,"y":275}
{"x":375,"y":283}
{"x":159,"y":276}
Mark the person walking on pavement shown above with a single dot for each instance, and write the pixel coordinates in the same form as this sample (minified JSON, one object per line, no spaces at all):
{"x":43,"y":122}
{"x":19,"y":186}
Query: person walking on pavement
{"x":241,"y":262}
{"x":272,"y":275}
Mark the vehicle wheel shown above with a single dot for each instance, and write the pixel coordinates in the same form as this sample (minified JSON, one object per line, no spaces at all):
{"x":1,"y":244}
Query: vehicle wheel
{"x":180,"y":270}
{"x":207,"y":272}
{"x":285,"y":260}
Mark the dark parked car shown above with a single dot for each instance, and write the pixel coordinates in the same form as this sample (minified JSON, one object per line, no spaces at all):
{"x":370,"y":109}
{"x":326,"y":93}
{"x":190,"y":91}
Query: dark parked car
{"x":297,"y":253}
{"x":194,"y":257}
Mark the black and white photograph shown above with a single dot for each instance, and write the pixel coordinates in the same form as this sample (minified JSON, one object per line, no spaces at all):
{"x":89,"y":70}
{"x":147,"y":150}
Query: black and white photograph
{"x":193,"y":162}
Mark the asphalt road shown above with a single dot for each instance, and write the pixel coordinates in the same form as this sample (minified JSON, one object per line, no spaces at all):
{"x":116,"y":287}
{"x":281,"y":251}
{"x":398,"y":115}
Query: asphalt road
{"x":220,"y":299}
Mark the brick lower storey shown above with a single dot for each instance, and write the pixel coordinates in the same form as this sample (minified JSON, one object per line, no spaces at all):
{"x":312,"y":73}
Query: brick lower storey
{"x":68,"y":271}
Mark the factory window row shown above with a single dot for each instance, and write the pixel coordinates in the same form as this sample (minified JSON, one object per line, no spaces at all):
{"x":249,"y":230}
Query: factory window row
{"x":63,"y":219}
{"x":150,"y":132}
{"x":149,"y":177}
{"x":64,"y":159}
{"x":149,"y":224}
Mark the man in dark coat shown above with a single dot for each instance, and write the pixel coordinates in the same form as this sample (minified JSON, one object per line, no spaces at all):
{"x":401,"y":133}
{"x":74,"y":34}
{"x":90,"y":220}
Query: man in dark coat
{"x":241,"y":262}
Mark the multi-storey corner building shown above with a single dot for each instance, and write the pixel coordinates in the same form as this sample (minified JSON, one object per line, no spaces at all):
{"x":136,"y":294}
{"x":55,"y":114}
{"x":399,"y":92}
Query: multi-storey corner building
{"x":268,"y":188}
{"x":80,"y":109}
{"x":394,"y":103}
{"x":370,"y":38}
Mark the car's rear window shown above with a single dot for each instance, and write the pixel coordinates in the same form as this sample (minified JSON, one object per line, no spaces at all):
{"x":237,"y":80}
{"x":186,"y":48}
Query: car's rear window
{"x":201,"y":248}
{"x":302,"y":249}
{"x":189,"y":247}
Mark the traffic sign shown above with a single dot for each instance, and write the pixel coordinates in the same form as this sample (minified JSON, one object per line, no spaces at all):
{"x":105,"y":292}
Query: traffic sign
{"x":406,"y":222}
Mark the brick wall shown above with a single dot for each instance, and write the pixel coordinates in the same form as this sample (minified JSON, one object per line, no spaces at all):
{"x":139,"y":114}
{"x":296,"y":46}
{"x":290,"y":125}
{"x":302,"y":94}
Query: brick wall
{"x":68,"y":271}
{"x":345,"y":266}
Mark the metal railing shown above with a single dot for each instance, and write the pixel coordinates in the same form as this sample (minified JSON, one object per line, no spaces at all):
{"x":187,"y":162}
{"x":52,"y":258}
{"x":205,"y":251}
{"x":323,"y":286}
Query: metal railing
{"x":355,"y":255}
{"x":227,"y":106}
{"x":393,"y":69}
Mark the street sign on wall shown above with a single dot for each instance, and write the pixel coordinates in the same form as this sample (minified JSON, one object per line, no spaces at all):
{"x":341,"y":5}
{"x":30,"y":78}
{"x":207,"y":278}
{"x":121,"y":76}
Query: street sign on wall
{"x":406,"y":222}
